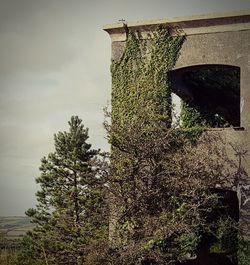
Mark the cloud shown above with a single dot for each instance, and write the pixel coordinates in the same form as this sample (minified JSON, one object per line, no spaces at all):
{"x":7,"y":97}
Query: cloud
{"x":40,"y":35}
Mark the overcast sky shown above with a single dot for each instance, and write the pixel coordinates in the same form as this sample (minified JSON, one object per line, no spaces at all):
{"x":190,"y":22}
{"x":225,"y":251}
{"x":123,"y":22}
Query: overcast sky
{"x":54,"y":63}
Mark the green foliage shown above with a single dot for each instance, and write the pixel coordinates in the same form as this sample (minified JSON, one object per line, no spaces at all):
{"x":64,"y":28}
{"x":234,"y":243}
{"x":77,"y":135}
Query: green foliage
{"x":244,"y":251}
{"x":196,"y":116}
{"x":159,"y":196}
{"x":227,"y":235}
{"x":139,"y":79}
{"x":69,"y":215}
{"x":190,"y":134}
{"x":188,"y":243}
{"x":141,"y":113}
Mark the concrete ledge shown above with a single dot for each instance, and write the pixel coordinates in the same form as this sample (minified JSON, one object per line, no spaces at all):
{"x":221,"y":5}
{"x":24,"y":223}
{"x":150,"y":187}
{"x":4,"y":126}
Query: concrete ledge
{"x":225,"y":129}
{"x":202,"y":24}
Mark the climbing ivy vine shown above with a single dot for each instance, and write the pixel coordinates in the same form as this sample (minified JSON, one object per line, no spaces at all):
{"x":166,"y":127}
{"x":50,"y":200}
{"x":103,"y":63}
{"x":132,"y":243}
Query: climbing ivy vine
{"x":139,"y":78}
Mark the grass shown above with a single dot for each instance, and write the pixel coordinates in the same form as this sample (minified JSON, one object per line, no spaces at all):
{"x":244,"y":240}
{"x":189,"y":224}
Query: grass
{"x":12,"y":229}
{"x":15,"y":227}
{"x":8,"y":256}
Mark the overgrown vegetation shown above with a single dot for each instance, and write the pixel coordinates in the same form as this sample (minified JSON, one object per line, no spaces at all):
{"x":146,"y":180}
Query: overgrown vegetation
{"x":160,"y":176}
{"x":8,"y":249}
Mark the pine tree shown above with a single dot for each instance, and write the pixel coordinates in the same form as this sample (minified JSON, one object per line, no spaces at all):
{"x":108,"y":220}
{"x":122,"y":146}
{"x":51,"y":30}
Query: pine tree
{"x":69,"y":213}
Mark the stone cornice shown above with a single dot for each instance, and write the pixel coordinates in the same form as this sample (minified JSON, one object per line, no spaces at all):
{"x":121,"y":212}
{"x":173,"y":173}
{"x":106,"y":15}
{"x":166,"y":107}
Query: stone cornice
{"x":202,"y":24}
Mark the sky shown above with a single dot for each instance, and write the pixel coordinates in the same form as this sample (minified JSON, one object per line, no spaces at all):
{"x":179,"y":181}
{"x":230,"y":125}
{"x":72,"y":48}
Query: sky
{"x":54,"y":63}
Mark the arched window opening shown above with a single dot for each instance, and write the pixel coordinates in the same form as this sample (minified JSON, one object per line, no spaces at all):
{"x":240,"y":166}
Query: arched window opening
{"x":210,"y":95}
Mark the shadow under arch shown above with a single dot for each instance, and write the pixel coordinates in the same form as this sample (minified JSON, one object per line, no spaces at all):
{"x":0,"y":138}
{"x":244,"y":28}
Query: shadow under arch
{"x":223,"y":250}
{"x":211,"y":89}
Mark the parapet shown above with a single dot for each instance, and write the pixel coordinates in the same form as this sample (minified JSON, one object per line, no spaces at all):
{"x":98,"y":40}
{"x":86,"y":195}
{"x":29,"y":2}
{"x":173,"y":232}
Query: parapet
{"x":191,"y":25}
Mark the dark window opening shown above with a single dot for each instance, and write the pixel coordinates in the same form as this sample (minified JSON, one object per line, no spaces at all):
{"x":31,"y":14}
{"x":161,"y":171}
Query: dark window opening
{"x":222,"y":243}
{"x":219,"y":246}
{"x":210,"y":95}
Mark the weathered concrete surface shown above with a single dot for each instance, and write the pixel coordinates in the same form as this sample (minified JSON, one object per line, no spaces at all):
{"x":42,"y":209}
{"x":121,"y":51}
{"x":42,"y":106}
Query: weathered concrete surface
{"x":211,"y":39}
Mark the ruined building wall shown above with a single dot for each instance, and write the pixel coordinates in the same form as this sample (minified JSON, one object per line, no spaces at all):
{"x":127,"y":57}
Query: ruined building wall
{"x":222,"y":40}
{"x":228,"y":48}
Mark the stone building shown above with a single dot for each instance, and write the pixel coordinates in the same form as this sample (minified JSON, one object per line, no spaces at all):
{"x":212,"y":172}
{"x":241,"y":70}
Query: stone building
{"x":219,"y":44}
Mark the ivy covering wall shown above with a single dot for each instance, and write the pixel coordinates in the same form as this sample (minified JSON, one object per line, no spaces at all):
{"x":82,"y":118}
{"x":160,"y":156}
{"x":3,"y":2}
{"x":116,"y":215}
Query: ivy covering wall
{"x":154,"y":186}
{"x":140,"y":85}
